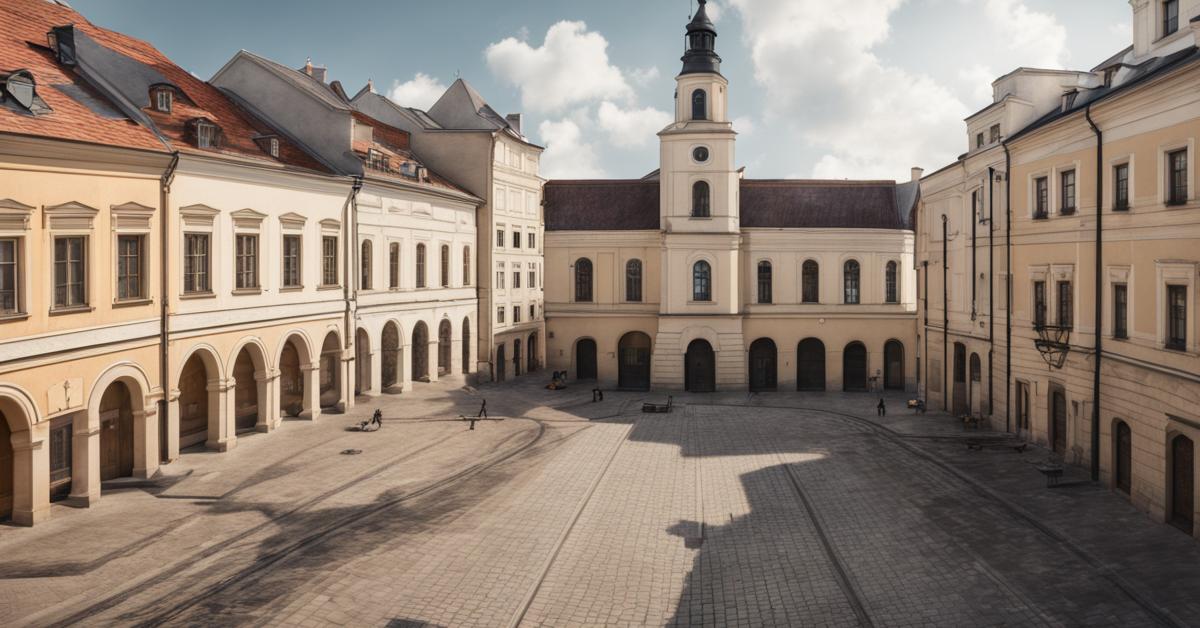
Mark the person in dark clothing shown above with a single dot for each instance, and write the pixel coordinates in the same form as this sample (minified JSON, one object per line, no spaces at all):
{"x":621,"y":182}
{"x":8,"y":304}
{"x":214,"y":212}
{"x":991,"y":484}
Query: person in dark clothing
{"x":882,"y":407}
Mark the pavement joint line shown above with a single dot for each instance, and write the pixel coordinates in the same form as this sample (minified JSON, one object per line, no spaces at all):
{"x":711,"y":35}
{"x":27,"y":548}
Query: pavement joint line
{"x":519,"y":616}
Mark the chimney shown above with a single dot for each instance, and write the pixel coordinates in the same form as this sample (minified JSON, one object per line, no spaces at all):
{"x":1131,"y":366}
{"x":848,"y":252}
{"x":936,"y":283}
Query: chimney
{"x":514,"y":120}
{"x":308,"y":66}
{"x":916,"y":173}
{"x":371,"y":86}
{"x":319,"y":73}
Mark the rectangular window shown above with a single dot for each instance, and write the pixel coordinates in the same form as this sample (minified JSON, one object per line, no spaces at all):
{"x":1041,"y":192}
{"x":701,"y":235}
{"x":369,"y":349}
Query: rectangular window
{"x":1170,"y":17}
{"x":994,"y":133}
{"x":1121,"y":187}
{"x":516,"y":314}
{"x":1177,"y":317}
{"x":979,"y":140}
{"x":291,"y":261}
{"x":1039,"y":303}
{"x":70,"y":288}
{"x":162,"y":100}
{"x":1041,"y":187}
{"x":500,"y":314}
{"x":516,"y":239}
{"x":1120,"y":310}
{"x":1067,"y":179}
{"x":206,"y":135}
{"x":9,"y":275}
{"x":533,"y":279}
{"x":196,"y":263}
{"x":445,"y":269}
{"x":329,"y":261}
{"x":246,"y":263}
{"x":532,"y":238}
{"x":516,"y":279}
{"x":1065,"y":305}
{"x":500,"y":278}
{"x":533,"y":311}
{"x":130,"y":284}
{"x":1177,"y":180}
{"x":500,"y":238}
{"x":394,"y":266}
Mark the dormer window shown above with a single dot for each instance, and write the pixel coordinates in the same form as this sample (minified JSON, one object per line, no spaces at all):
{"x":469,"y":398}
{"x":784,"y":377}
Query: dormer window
{"x":273,"y":147}
{"x":163,"y":99}
{"x":1068,"y":100}
{"x":18,"y":91}
{"x":1170,"y":17}
{"x":994,"y":134}
{"x":376,"y":160}
{"x":206,"y":135}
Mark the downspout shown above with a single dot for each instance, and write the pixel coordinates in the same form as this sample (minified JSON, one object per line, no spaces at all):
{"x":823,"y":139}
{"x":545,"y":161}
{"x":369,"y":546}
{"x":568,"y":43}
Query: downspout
{"x":945,"y":313}
{"x":1008,"y":302}
{"x":349,"y":294}
{"x":925,"y":299}
{"x":991,"y":222}
{"x":164,"y":364}
{"x":486,"y":237}
{"x":974,"y":260}
{"x":1099,"y":287}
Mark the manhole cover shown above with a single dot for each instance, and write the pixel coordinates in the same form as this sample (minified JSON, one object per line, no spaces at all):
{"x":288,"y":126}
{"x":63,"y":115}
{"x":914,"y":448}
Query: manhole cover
{"x":351,"y":452}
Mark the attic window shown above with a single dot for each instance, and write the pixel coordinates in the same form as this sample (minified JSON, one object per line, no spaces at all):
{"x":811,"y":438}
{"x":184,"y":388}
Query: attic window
{"x":273,"y":147}
{"x":206,"y":135}
{"x":19,"y":88}
{"x":163,"y":99}
{"x":377,"y":160}
{"x":1069,"y":100}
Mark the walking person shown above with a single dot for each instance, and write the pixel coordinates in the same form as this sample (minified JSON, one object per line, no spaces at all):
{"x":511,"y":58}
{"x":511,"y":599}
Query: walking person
{"x":882,"y":407}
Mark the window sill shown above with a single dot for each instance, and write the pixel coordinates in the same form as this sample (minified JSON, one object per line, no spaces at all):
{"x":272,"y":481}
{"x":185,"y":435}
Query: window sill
{"x":197,"y":295}
{"x":1041,"y":216}
{"x":325,"y":288}
{"x":1068,"y":211}
{"x":242,"y":292}
{"x":132,"y":303}
{"x":78,"y":309}
{"x":291,"y":289}
{"x":1121,"y":208}
{"x":13,"y":317}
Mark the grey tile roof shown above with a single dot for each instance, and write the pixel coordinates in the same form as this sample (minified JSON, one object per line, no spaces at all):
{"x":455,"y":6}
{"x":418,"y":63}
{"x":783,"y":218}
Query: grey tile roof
{"x":616,"y":205}
{"x":301,"y":80}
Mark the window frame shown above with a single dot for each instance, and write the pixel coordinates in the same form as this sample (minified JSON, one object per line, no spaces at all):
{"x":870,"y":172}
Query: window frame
{"x":851,"y":282}
{"x":1168,"y":25}
{"x":1064,"y":303}
{"x":291,"y":279}
{"x":466,"y":266}
{"x":891,"y":282}
{"x":1177,"y":191}
{"x":583,"y":273}
{"x":634,"y":270}
{"x":444,"y":270}
{"x":702,"y":283}
{"x":1120,"y":311}
{"x":17,"y":269}
{"x":500,"y":235}
{"x":500,"y":311}
{"x":140,"y":263}
{"x":1039,"y":303}
{"x":420,"y":268}
{"x":1176,"y":325}
{"x":366,"y":265}
{"x":241,"y":273}
{"x":699,"y":103}
{"x":394,"y":253}
{"x":815,"y":283}
{"x":189,"y":269}
{"x":1120,"y":204}
{"x":701,"y":200}
{"x":80,"y":274}
{"x":1068,"y":192}
{"x":164,"y":100}
{"x":1041,"y":198}
{"x":765,"y":284}
{"x":329,"y":261}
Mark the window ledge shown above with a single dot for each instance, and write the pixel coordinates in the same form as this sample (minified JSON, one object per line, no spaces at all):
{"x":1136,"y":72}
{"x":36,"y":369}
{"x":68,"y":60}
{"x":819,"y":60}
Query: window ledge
{"x":241,"y":292}
{"x":15,"y":316}
{"x":291,"y":289}
{"x":79,"y":309}
{"x":132,"y":303}
{"x":188,"y":296}
{"x":332,"y":287}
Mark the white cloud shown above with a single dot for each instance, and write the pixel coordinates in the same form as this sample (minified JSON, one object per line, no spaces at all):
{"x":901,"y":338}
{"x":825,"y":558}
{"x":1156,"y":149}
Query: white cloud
{"x":631,"y":128}
{"x":1121,"y":30}
{"x":1035,"y":39}
{"x":570,"y":67}
{"x":978,"y":83}
{"x":714,"y":11}
{"x":744,"y":125}
{"x":421,"y":92}
{"x":567,"y":155}
{"x":824,"y":84}
{"x":644,"y":76}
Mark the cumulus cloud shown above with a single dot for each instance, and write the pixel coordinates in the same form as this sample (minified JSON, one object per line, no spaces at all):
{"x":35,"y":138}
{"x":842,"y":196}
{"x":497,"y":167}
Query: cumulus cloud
{"x":421,"y":92}
{"x":744,"y":125}
{"x":1036,"y":39}
{"x":568,"y":155}
{"x":824,"y":84}
{"x":644,"y":76}
{"x":570,"y":67}
{"x":978,"y":82}
{"x":631,"y":128}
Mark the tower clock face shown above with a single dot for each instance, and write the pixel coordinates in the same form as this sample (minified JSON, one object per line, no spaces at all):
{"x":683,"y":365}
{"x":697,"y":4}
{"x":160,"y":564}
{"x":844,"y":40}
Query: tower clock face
{"x":700,"y":154}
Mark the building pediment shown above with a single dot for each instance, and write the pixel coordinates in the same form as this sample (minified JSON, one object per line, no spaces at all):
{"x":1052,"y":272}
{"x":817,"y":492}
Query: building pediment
{"x":72,"y":215}
{"x":14,"y":216}
{"x":131,"y":216}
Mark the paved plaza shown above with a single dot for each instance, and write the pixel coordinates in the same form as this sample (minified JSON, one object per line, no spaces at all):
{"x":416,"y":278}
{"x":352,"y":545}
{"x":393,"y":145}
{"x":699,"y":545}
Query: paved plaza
{"x":782,"y":509}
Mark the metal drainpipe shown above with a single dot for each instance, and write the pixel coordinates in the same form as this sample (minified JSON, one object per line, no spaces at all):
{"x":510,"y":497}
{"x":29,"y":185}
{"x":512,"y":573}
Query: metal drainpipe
{"x":991,"y":221}
{"x":1098,"y":288}
{"x":164,"y":330}
{"x":945,"y":313}
{"x":925,"y":298}
{"x":974,"y":262}
{"x":1009,"y":289}
{"x":349,"y":218}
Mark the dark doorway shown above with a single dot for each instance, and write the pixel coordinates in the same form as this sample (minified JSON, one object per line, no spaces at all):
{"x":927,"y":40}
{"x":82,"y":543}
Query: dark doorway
{"x":245,"y":392}
{"x":1123,"y":457}
{"x":420,"y":353}
{"x":532,"y":363}
{"x":633,"y":367}
{"x":389,"y":365}
{"x":700,"y":367}
{"x":331,"y":379}
{"x":116,"y":433}
{"x":362,"y":357}
{"x":193,"y":402}
{"x":445,"y":347}
{"x":810,"y":365}
{"x":466,"y":346}
{"x":517,"y":357}
{"x":1023,"y":408}
{"x":1183,"y":483}
{"x":1058,"y":421}
{"x":854,"y":367}
{"x":291,"y":381}
{"x":7,"y":470}
{"x":764,"y":362}
{"x":960,"y":380}
{"x":585,"y":359}
{"x":501,"y":364}
{"x":893,"y":365}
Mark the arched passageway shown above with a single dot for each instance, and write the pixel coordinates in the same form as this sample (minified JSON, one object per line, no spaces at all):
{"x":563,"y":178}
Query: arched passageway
{"x":700,"y":367}
{"x":362,"y":361}
{"x":810,"y":365}
{"x":1183,"y":484}
{"x":420,"y":353}
{"x":854,"y":367}
{"x":532,"y":363}
{"x":585,"y":359}
{"x":501,"y":364}
{"x":633,"y":366}
{"x":445,"y":346}
{"x":389,"y":367}
{"x":245,"y":393}
{"x":893,"y":365}
{"x":764,"y":362}
{"x":198,"y":407}
{"x":331,"y":378}
{"x":8,"y":470}
{"x":291,"y":379}
{"x":116,"y":432}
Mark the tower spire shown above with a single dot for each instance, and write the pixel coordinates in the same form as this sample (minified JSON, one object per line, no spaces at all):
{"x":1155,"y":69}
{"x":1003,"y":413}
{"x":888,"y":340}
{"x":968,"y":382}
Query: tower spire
{"x":701,"y":56}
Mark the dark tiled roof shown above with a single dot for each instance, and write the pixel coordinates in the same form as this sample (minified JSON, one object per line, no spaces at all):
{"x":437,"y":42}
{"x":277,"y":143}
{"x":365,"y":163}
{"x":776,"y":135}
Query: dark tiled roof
{"x":628,"y":205}
{"x":801,"y":204}
{"x":617,"y":205}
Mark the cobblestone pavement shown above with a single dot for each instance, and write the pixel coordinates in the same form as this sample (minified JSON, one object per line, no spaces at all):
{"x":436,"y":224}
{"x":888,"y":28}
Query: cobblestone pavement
{"x":781,"y":509}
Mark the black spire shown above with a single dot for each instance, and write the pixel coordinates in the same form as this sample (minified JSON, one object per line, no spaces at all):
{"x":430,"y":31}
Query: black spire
{"x":701,"y":56}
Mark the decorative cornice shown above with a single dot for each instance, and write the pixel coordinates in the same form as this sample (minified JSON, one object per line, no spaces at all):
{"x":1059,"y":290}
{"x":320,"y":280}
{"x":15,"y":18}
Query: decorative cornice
{"x":14,"y":216}
{"x":70,"y":215}
{"x":293,"y":219}
{"x":131,"y":216}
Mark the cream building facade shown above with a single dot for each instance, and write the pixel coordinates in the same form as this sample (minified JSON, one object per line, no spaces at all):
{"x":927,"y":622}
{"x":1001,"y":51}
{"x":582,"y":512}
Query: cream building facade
{"x":1103,"y":236}
{"x":695,"y":278}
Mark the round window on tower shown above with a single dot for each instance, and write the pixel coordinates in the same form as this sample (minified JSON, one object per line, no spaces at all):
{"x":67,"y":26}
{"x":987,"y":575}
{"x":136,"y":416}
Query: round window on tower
{"x":700,"y":154}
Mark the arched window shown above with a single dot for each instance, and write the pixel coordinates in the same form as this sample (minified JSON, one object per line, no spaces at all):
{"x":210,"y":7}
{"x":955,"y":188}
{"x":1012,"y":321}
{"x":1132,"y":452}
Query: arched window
{"x":466,"y":265}
{"x":420,"y":265}
{"x":811,"y":277}
{"x":365,"y":279}
{"x":633,"y":281}
{"x":394,"y":265}
{"x":764,"y":282}
{"x":699,"y":105}
{"x":583,"y":280}
{"x":701,"y":282}
{"x":893,"y":294}
{"x":700,"y":200}
{"x":445,"y":269}
{"x":850,"y":278}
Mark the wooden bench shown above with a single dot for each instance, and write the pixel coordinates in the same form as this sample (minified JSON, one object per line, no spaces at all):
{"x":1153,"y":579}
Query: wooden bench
{"x":659,"y":408}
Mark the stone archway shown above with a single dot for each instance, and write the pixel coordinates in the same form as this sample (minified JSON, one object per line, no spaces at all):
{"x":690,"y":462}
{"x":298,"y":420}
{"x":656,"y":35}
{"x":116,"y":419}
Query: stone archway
{"x":116,"y":432}
{"x":199,"y":400}
{"x":294,"y":362}
{"x":420,"y":353}
{"x":8,"y":469}
{"x":24,"y":483}
{"x":764,"y":362}
{"x":810,"y":365}
{"x":700,"y":367}
{"x":854,"y":367}
{"x":585,"y":359}
{"x":362,"y":361}
{"x":331,"y":378}
{"x":893,"y":365}
{"x":249,"y":394}
{"x":389,"y":371}
{"x":633,"y":367}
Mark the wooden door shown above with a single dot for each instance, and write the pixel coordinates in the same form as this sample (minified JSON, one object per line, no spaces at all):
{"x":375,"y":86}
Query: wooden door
{"x":763,"y":365}
{"x":116,"y":433}
{"x":1058,"y":429}
{"x":700,"y":368}
{"x":893,"y":365}
{"x":1183,"y":483}
{"x":1124,"y":457}
{"x":634,"y":366}
{"x":585,"y":359}
{"x":501,"y":364}
{"x":810,"y":365}
{"x":854,"y":367}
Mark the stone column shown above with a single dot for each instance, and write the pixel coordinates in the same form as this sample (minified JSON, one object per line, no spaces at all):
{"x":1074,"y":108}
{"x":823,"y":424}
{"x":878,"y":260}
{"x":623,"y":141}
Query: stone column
{"x":85,"y":460}
{"x":268,"y":401}
{"x":348,"y":380}
{"x":311,"y":404}
{"x":145,"y":442}
{"x":31,"y":476}
{"x":376,"y":359}
{"x":173,"y":425}
{"x":222,"y":415}
{"x":432,"y":361}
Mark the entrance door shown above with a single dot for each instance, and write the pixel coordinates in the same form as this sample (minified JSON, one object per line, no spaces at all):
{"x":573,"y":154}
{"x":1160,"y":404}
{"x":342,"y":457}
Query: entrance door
{"x":1058,"y":427}
{"x":531,"y":360}
{"x":6,"y":469}
{"x":763,"y":365}
{"x":1183,"y":483}
{"x":893,"y":365}
{"x":960,"y":380}
{"x":331,"y":391}
{"x":633,"y":367}
{"x":1124,"y":457}
{"x":585,"y":359}
{"x":500,"y":363}
{"x":445,"y":338}
{"x":516,"y":357}
{"x":810,"y":365}
{"x":854,"y":367}
{"x":700,"y":367}
{"x":116,"y":433}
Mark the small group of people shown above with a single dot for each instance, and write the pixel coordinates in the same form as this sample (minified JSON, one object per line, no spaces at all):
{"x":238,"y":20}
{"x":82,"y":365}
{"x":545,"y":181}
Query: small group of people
{"x":558,"y":382}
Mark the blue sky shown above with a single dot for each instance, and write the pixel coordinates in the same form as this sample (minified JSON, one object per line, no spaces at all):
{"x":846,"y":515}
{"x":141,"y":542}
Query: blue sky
{"x":816,"y":90}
